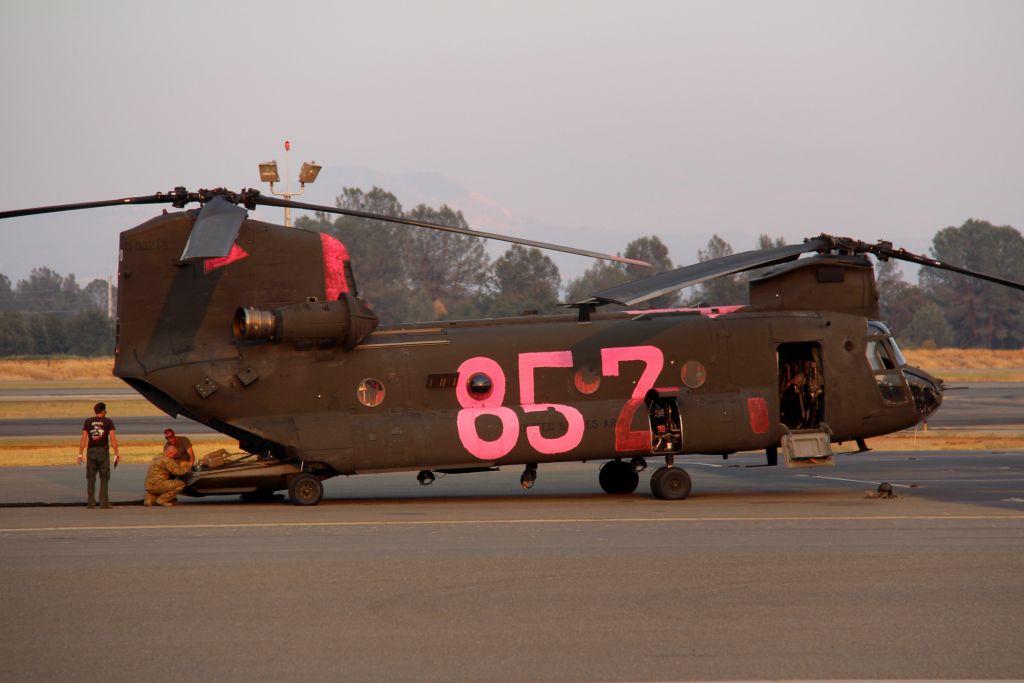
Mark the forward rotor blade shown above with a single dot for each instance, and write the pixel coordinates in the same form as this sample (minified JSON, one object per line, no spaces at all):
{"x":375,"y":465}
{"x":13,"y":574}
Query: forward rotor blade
{"x":272,"y":201}
{"x":215,"y":230}
{"x":158,"y":198}
{"x":925,"y":261}
{"x":638,"y":291}
{"x":885,"y":250}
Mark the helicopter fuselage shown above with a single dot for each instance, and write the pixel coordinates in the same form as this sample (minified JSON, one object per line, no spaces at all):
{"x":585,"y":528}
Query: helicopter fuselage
{"x":471,"y":394}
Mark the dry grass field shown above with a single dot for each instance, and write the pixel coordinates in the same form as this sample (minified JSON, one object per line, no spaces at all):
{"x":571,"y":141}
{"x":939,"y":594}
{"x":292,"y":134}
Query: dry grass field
{"x":129,"y":407}
{"x":972,"y":359}
{"x":57,"y":369}
{"x":27,"y":452}
{"x":970,"y":365}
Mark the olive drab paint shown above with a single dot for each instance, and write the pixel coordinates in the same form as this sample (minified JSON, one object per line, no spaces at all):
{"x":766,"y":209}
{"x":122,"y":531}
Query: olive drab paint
{"x":258,"y":331}
{"x":328,"y":403}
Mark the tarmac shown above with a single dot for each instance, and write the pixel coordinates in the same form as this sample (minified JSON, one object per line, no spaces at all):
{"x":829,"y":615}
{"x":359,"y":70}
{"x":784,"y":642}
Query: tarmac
{"x":763,"y":573}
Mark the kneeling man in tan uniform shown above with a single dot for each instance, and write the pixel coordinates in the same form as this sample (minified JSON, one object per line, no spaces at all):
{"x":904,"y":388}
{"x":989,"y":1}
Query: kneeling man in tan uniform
{"x":159,"y":485}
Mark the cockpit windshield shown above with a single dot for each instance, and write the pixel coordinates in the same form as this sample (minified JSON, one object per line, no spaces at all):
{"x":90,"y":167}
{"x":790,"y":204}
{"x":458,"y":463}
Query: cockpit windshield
{"x":886,"y":360}
{"x":876,"y":327}
{"x":900,"y":359}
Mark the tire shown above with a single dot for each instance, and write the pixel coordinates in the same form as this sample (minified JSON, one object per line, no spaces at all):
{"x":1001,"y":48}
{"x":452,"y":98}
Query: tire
{"x":670,"y":483}
{"x":656,"y":481}
{"x":617,"y":478}
{"x":305,"y":489}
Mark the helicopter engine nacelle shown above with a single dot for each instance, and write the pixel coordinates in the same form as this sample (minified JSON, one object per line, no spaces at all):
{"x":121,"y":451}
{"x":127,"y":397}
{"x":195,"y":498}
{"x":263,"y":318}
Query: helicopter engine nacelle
{"x":320,"y":323}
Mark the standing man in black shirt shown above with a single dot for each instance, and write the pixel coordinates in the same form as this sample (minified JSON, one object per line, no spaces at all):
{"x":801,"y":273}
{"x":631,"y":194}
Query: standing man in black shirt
{"x":98,"y":434}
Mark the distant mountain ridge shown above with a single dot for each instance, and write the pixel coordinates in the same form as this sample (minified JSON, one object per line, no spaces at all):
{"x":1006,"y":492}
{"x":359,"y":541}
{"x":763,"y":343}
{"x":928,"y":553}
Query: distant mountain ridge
{"x":414,"y":188}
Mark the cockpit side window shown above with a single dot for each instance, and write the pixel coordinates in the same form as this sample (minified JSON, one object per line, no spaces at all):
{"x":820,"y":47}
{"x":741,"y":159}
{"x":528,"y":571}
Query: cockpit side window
{"x":897,"y":352}
{"x":878,"y":356}
{"x":878,"y":329}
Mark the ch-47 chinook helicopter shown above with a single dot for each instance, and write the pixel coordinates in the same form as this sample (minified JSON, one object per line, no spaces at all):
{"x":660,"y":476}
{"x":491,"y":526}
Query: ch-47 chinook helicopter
{"x":257,"y":331}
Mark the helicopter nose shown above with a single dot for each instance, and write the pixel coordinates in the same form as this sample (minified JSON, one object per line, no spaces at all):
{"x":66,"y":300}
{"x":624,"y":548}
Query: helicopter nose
{"x":926,"y":389}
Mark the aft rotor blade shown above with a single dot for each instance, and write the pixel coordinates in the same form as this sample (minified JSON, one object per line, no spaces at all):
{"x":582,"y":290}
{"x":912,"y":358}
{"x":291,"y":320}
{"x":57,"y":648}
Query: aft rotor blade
{"x":215,"y":230}
{"x":159,"y":198}
{"x":272,"y":201}
{"x":638,"y":291}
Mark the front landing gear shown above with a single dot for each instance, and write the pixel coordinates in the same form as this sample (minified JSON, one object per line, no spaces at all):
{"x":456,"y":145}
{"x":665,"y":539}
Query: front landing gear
{"x":670,"y":483}
{"x":617,"y":477}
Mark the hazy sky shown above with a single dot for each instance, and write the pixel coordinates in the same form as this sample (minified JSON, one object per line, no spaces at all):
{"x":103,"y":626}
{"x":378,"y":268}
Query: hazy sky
{"x":617,"y":119}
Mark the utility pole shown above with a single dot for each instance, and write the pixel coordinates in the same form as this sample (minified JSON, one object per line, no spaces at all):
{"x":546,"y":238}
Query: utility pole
{"x":268,"y":174}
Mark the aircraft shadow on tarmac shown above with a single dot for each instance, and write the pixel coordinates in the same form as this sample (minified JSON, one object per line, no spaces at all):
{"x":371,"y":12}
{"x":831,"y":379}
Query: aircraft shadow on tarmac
{"x":983,"y":478}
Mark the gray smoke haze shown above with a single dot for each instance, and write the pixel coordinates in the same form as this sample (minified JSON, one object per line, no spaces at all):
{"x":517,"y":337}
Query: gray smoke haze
{"x":569,"y":121}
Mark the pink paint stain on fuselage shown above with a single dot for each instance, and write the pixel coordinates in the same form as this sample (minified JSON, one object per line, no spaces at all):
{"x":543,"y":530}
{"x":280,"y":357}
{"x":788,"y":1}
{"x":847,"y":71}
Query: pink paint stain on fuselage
{"x":335,"y":257}
{"x":236,"y":254}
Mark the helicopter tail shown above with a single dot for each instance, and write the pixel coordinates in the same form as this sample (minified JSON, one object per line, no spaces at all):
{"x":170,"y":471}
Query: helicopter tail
{"x":175,"y":315}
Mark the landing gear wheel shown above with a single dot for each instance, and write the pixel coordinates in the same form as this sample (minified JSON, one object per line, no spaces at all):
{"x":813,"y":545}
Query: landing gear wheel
{"x":617,"y":477}
{"x":305,"y":489}
{"x":670,"y":483}
{"x":656,"y":480}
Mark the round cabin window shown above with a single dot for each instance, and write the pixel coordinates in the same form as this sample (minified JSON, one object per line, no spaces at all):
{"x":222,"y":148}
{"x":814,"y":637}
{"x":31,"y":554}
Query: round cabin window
{"x":587,"y":381}
{"x":694,"y":374}
{"x":480,"y":386}
{"x":370,"y":392}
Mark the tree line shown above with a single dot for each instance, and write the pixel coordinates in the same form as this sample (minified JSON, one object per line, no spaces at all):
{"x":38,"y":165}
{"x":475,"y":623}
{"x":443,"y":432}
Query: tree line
{"x":49,"y":314}
{"x":412,"y":274}
{"x":949,"y":309}
{"x":408,"y":273}
{"x":944,"y":309}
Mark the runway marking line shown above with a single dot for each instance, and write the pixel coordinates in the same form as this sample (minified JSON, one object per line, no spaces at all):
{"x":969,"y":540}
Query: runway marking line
{"x":567,"y":520}
{"x":857,"y":481}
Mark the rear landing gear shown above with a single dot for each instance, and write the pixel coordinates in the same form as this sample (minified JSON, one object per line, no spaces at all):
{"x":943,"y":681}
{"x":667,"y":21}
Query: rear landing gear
{"x":617,"y":477}
{"x":529,"y":476}
{"x":670,"y":483}
{"x":305,"y":489}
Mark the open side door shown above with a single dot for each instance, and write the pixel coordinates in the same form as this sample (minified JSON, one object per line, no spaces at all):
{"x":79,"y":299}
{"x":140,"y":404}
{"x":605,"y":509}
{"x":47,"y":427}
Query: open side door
{"x":801,"y":385}
{"x":807,"y":440}
{"x":666,"y":425}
